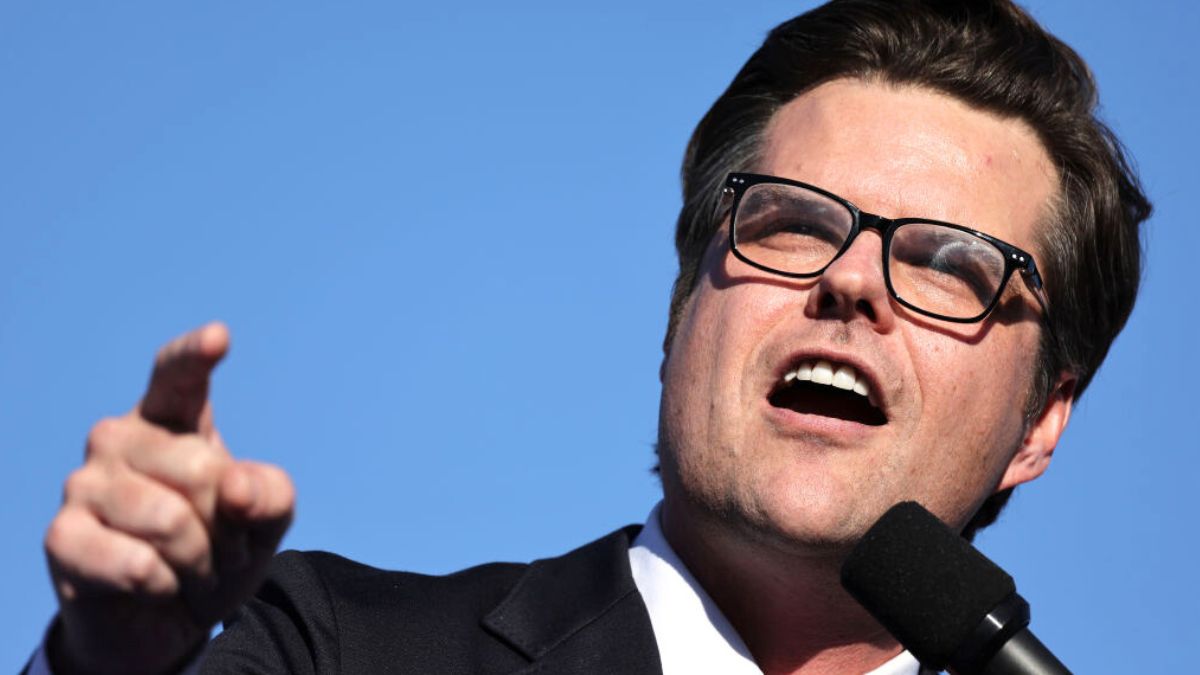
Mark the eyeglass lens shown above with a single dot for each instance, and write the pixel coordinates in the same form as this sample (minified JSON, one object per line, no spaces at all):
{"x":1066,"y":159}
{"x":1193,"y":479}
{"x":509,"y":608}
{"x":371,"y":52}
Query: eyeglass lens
{"x":936,"y":268}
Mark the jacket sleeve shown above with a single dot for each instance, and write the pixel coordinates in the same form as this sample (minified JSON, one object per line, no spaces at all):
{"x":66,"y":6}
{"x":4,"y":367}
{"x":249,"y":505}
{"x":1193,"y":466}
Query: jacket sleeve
{"x":289,"y":626}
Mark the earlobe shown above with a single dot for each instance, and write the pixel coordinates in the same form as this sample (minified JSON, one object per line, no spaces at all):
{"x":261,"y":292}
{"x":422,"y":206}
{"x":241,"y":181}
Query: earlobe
{"x":1037,"y":447}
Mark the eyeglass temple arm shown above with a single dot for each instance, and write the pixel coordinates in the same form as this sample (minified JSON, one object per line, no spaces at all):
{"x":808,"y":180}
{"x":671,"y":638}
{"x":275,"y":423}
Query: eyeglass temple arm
{"x":1033,"y":279}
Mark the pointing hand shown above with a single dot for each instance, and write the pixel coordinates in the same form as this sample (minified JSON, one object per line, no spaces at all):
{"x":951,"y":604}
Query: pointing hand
{"x":162,"y":533}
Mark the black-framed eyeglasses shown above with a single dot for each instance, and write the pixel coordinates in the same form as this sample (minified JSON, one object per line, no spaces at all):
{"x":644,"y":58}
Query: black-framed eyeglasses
{"x":938,"y":269}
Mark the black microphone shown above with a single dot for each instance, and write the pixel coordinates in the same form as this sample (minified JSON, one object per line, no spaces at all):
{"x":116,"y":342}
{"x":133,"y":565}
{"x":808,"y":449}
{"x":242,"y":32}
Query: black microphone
{"x":942,"y":599}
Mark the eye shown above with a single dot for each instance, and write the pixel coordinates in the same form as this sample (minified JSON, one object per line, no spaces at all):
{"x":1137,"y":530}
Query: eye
{"x":801,"y":225}
{"x":944,"y":269}
{"x":812,"y":228}
{"x":973,"y":263}
{"x":791,"y":232}
{"x":790,"y":228}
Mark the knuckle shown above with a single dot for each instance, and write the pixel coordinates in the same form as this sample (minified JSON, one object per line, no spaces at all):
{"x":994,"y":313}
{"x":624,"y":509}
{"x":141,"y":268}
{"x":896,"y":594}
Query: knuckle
{"x":194,"y":553}
{"x":105,"y":436}
{"x":170,"y":517}
{"x":202,"y":468}
{"x":141,"y":567}
{"x":282,"y":486}
{"x":126,"y":501}
{"x":79,"y":485}
{"x":59,"y":535}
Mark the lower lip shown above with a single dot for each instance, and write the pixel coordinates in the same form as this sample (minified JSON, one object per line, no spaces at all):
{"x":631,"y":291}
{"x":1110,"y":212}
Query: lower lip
{"x":791,"y":423}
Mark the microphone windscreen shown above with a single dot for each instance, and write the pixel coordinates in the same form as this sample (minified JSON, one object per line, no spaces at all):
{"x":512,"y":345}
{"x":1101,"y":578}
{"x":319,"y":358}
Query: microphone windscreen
{"x":927,"y":585}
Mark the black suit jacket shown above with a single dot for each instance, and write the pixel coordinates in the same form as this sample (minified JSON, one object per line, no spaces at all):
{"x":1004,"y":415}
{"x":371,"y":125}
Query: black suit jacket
{"x":321,"y":613}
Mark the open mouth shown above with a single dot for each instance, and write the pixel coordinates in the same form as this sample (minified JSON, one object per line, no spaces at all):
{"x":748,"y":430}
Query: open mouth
{"x":818,"y":387}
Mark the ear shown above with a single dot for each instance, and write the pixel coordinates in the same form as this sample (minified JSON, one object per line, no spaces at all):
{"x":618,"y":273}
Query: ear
{"x":1037,"y":447}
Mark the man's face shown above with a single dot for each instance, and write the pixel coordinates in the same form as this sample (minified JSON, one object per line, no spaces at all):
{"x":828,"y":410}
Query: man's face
{"x":952,"y":394}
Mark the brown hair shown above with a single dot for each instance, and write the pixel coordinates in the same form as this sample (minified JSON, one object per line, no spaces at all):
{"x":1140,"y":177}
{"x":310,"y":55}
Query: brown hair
{"x":991,"y":55}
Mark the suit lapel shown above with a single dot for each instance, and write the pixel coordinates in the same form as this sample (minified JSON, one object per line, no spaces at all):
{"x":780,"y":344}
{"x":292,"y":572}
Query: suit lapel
{"x":580,"y":613}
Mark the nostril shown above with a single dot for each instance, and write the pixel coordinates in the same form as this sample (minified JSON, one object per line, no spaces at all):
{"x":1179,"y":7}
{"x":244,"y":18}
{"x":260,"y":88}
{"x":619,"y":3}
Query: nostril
{"x":866,"y":309}
{"x":828,"y":301}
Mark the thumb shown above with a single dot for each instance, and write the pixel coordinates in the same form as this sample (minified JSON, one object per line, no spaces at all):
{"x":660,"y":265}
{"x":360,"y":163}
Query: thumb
{"x":256,"y":503}
{"x":177,"y":396}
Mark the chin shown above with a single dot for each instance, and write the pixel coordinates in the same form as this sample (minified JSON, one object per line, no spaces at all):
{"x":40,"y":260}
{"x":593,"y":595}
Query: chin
{"x":808,"y":524}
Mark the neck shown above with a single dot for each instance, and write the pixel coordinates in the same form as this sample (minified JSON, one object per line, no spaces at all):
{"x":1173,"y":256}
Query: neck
{"x":789,"y":609}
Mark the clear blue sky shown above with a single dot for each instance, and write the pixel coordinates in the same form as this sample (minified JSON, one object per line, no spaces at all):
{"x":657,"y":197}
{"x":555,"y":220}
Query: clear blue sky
{"x":441,"y":235}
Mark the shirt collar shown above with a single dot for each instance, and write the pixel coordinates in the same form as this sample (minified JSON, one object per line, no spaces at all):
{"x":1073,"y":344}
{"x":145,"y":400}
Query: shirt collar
{"x":693,"y":635}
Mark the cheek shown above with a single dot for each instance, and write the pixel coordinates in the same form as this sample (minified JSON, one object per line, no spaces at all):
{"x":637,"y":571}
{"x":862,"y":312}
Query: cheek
{"x":973,"y":397}
{"x":722,"y":325}
{"x":714,"y":343}
{"x":705,"y":386}
{"x":692,"y":375}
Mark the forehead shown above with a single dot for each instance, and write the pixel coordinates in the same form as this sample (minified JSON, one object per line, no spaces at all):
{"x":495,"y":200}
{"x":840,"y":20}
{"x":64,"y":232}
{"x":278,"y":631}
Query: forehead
{"x":905,"y":151}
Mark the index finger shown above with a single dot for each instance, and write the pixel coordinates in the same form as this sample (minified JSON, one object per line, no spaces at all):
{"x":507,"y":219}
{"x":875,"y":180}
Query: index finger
{"x":177,"y":396}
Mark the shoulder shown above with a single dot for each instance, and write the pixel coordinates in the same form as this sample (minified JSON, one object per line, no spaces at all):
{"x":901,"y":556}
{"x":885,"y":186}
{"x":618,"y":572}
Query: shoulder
{"x":321,"y":612}
{"x":353,"y":586}
{"x":318,"y":612}
{"x":342,"y":580}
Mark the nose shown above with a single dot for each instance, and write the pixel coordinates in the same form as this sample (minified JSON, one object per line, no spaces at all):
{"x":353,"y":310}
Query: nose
{"x":853,"y":286}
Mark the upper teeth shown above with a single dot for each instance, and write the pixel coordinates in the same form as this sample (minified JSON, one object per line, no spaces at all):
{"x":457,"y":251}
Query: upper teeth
{"x":842,"y":376}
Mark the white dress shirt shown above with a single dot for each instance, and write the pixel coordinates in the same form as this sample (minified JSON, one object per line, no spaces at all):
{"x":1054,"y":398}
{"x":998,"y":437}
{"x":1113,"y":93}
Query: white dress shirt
{"x":693,"y":635}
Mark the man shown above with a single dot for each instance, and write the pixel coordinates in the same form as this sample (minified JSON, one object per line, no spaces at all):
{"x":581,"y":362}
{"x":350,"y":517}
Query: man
{"x":905,"y":247}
